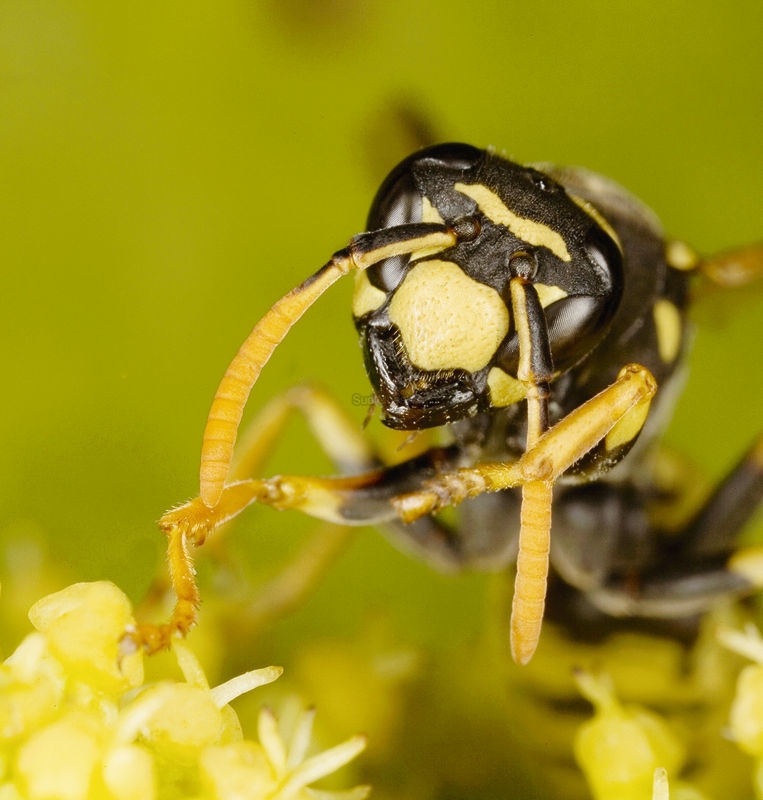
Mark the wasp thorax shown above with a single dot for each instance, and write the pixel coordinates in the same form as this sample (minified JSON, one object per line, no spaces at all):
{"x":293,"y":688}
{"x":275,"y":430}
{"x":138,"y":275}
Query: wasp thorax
{"x":436,"y":326}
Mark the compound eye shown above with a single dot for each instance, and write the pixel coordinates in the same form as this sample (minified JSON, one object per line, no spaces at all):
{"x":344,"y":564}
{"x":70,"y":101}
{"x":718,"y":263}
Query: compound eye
{"x":452,"y":155}
{"x":573,"y":329}
{"x":398,"y":200}
{"x":604,"y":254}
{"x":576,"y":323}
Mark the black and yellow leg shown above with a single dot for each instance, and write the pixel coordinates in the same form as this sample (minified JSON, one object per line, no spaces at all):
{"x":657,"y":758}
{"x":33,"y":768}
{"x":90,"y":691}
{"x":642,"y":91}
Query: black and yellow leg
{"x":621,"y":406}
{"x":383,"y":494}
{"x":734,"y":268}
{"x":186,"y":526}
{"x":555,"y":452}
{"x":707,"y":562}
{"x":239,"y":379}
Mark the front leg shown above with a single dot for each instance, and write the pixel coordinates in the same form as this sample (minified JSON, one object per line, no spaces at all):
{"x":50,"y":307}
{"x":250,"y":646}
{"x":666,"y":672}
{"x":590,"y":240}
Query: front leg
{"x":364,"y":499}
{"x":615,"y":417}
{"x":408,"y":491}
{"x":612,"y":419}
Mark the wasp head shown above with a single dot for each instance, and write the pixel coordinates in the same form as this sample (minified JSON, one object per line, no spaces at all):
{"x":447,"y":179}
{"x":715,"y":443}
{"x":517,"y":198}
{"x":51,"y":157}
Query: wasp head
{"x":436,"y":328}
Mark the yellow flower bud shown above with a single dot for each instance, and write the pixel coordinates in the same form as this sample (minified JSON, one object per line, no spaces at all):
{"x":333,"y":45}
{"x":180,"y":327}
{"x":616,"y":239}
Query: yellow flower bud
{"x":83,"y":625}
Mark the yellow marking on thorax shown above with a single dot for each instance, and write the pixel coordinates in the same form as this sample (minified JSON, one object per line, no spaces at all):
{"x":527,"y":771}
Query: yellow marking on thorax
{"x":534,"y":233}
{"x":680,"y":256}
{"x":667,"y":321}
{"x":446,"y":319}
{"x":366,"y":297}
{"x":504,"y":389}
{"x":598,"y":218}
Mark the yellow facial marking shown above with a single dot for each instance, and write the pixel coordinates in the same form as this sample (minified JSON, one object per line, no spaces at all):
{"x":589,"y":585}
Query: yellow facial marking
{"x":534,"y":233}
{"x":629,"y":426}
{"x":680,"y":256}
{"x":667,"y":321}
{"x":549,"y":294}
{"x":598,"y":218}
{"x":446,"y":319}
{"x":428,"y":214}
{"x":504,"y":390}
{"x":366,"y":297}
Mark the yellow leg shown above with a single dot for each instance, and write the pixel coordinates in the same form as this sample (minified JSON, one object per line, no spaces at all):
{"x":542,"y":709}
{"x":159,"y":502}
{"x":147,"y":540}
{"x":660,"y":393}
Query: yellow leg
{"x":734,"y":268}
{"x":189,"y":525}
{"x":243,"y":372}
{"x":555,"y":452}
{"x":622,"y":405}
{"x":328,"y":498}
{"x":529,"y":600}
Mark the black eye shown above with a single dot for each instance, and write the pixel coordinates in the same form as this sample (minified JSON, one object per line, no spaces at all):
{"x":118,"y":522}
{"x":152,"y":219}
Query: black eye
{"x":604,"y":254}
{"x":388,"y":274}
{"x":452,"y":155}
{"x":398,"y":200}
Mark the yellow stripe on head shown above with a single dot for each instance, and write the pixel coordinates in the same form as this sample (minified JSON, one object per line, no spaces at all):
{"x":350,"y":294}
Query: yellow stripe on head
{"x":528,"y":230}
{"x":598,"y":218}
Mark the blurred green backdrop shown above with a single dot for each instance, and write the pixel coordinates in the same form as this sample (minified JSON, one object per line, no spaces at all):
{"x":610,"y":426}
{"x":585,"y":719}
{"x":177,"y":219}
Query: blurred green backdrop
{"x":169,"y":169}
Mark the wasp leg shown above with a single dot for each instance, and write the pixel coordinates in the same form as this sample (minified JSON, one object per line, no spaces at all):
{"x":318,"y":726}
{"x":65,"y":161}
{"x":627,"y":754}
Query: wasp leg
{"x":242,"y":373}
{"x":535,"y":371}
{"x":337,"y":435}
{"x":340,"y":438}
{"x":613,"y":416}
{"x":734,"y":268}
{"x":685,"y":570}
{"x":353,"y":500}
{"x":187,"y":526}
{"x":715,"y":526}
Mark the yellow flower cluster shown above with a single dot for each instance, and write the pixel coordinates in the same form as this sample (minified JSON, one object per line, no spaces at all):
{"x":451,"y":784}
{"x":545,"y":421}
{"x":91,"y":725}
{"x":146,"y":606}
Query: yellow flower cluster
{"x":76,"y":722}
{"x":746,"y":719}
{"x":627,"y":752}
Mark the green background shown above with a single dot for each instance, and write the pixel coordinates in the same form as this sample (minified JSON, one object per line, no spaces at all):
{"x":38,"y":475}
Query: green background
{"x":168,"y":169}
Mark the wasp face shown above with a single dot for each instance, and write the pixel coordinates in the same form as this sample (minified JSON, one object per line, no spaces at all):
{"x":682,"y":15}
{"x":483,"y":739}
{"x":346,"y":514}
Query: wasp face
{"x":436,"y":327}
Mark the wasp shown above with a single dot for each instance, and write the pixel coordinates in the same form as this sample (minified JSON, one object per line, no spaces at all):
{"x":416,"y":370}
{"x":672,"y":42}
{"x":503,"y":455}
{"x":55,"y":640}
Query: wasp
{"x":534,"y":317}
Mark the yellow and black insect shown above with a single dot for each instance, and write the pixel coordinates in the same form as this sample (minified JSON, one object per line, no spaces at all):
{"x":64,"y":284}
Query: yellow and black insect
{"x":536,"y":318}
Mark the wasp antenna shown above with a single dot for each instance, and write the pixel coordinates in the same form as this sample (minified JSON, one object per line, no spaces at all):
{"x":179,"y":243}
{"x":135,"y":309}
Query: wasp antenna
{"x":532,"y":570}
{"x":534,"y":370}
{"x":228,"y":405}
{"x":236,"y":385}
